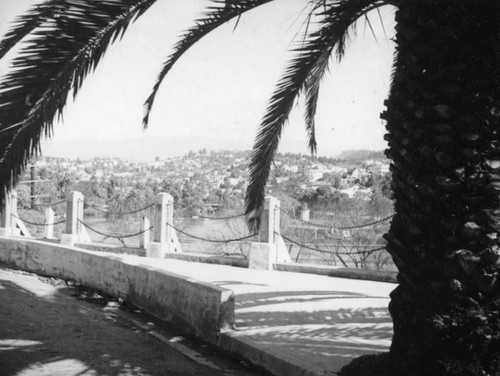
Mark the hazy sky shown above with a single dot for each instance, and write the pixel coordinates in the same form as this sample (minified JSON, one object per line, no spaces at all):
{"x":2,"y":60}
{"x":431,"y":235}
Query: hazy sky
{"x":219,"y":89}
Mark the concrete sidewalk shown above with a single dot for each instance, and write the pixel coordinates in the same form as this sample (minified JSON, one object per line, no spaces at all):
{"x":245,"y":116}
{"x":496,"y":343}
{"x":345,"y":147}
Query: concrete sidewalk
{"x":295,"y":323}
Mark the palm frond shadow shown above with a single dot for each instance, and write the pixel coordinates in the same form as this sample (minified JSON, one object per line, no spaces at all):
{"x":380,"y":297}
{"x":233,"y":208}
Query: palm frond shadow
{"x":298,"y":323}
{"x":34,"y":343}
{"x":266,"y":298}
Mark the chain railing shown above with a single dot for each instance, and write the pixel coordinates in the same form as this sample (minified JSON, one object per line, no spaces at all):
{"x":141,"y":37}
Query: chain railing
{"x":39,"y":224}
{"x":359,"y":242}
{"x":114,"y":235}
{"x":95,"y":207}
{"x":149,"y":206}
{"x":352,"y":227}
{"x":160,"y":236}
{"x":224,"y":241}
{"x":44,"y":205}
{"x":361,"y":252}
{"x":240,"y":215}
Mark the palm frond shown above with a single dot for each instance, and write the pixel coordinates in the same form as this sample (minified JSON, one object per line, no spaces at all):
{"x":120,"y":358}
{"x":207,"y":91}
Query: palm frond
{"x":54,"y":61}
{"x":311,"y":90}
{"x":218,"y":14}
{"x":26,"y":23}
{"x":304,"y":72}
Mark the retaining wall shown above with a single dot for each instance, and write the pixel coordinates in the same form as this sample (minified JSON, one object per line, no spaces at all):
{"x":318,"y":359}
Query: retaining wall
{"x":203,"y":309}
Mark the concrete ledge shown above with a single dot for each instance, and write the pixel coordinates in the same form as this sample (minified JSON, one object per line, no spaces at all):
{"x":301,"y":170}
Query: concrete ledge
{"x":257,"y":355}
{"x":209,"y":259}
{"x":332,"y":271}
{"x":202,"y":309}
{"x":369,"y":275}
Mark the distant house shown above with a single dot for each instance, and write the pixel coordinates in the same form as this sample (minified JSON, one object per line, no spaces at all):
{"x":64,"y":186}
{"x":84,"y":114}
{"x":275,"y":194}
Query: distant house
{"x":356,"y":191}
{"x":315,"y":175}
{"x":319,"y":184}
{"x":281,"y":180}
{"x":233,"y":181}
{"x":316,"y":171}
{"x":378,"y":168}
{"x":355,"y":176}
{"x":385,"y":168}
{"x":292,"y":169}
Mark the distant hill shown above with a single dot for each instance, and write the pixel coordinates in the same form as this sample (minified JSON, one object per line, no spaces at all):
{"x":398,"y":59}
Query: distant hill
{"x":137,"y":149}
{"x":147,"y":148}
{"x":360,"y":155}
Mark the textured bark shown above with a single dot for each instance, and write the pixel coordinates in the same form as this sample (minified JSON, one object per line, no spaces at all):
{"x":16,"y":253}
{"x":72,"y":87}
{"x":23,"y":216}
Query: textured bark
{"x":443,"y":118}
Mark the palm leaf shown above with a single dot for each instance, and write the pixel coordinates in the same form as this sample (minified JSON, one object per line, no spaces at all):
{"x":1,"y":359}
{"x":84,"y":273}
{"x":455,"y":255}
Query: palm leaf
{"x":303,"y":73}
{"x":220,"y":13}
{"x":55,"y":61}
{"x":311,"y":89}
{"x":26,"y":23}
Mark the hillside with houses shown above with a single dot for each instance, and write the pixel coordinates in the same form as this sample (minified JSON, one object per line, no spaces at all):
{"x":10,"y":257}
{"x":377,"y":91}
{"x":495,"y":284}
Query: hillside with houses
{"x":200,"y":179}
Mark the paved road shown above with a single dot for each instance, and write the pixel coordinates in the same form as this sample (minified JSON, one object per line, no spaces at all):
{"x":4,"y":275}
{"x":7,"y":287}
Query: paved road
{"x":49,"y":328}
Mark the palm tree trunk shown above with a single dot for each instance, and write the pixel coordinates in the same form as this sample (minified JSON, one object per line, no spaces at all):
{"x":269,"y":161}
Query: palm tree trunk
{"x":443,"y":122}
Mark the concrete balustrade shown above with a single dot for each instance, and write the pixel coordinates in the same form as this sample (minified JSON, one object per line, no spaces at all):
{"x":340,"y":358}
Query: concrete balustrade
{"x":268,"y":250}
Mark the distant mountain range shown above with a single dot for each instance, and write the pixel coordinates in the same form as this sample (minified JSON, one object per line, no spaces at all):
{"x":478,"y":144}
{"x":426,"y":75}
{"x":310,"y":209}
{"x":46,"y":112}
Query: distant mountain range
{"x":148,"y":148}
{"x":360,"y":155}
{"x":137,"y":149}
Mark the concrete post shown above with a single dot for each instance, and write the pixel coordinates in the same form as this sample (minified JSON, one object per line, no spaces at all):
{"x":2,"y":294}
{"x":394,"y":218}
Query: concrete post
{"x":74,"y":214}
{"x":270,"y":248}
{"x":49,"y":223}
{"x":164,"y":214}
{"x":267,"y":220}
{"x":7,"y":223}
{"x":304,"y":213}
{"x":281,"y":255}
{"x":169,"y":233}
{"x":144,"y":237}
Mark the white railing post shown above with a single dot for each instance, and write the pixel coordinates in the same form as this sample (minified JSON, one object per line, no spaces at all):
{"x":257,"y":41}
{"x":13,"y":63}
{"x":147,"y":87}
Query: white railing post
{"x":164,"y":236}
{"x":169,"y":216}
{"x":270,"y":248}
{"x":267,"y":218}
{"x":75,"y":232}
{"x":160,"y":220}
{"x":282,"y":255}
{"x":172,"y":239}
{"x":145,"y":229}
{"x":17,"y":225}
{"x":7,"y":212}
{"x":49,"y":223}
{"x":304,"y":213}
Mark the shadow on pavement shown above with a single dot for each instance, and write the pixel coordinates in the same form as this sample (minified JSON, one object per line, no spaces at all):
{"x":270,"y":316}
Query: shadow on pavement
{"x":44,"y":331}
{"x":323,"y":330}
